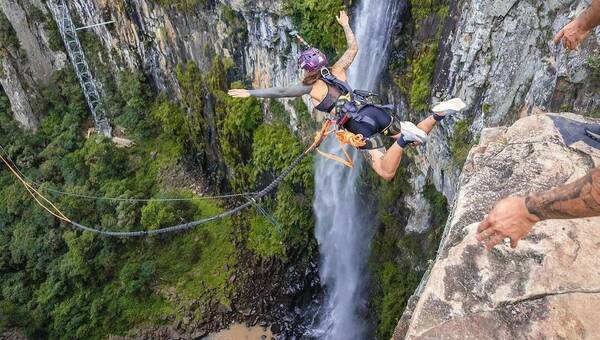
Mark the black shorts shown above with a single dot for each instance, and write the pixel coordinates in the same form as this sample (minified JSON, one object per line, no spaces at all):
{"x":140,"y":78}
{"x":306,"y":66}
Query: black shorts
{"x":380,"y":118}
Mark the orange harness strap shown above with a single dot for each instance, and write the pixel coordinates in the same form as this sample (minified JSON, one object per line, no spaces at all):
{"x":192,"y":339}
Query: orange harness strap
{"x":344,"y":138}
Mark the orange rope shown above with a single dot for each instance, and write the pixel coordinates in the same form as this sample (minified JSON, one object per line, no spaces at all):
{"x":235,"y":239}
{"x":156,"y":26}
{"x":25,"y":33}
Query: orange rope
{"x":36,"y":195}
{"x":347,"y":137}
{"x":344,"y":137}
{"x":320,"y":136}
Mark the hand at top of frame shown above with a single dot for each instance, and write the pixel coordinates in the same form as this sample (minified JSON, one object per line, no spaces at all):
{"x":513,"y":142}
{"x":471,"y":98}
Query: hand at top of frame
{"x":343,"y":19}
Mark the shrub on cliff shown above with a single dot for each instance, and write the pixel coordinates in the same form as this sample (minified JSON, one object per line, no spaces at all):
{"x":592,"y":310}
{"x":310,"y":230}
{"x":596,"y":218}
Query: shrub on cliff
{"x":317,"y":23}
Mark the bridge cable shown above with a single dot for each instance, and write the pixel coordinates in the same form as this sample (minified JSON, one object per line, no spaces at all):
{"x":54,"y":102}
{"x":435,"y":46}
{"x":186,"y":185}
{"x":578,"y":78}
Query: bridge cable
{"x":253,"y":199}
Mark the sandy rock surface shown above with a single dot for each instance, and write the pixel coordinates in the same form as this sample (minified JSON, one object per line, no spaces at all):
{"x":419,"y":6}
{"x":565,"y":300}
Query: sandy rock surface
{"x":549,"y":287}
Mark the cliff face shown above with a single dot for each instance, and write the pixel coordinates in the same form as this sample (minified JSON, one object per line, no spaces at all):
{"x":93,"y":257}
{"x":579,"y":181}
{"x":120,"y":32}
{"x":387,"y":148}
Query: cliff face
{"x":548,"y":286}
{"x":29,"y":63}
{"x":148,"y":37}
{"x":496,"y":55}
{"x":499,"y":57}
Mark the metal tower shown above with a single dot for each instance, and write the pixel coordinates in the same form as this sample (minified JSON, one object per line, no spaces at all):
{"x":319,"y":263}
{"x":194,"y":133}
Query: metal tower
{"x":68,"y":33}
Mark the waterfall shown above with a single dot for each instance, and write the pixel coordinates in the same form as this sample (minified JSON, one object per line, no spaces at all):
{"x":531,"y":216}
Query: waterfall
{"x":343,"y":230}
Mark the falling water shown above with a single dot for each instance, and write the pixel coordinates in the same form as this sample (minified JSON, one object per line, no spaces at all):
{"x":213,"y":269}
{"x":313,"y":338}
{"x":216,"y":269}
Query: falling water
{"x":342,"y":228}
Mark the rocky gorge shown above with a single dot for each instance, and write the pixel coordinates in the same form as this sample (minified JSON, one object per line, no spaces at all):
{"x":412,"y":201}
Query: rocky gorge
{"x":496,"y":55}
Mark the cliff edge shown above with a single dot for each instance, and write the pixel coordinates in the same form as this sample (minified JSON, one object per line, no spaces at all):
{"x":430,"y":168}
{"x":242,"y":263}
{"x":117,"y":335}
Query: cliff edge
{"x":549,"y":287}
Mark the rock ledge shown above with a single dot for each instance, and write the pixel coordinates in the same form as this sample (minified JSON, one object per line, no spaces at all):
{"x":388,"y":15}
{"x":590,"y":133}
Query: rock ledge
{"x":549,"y":287}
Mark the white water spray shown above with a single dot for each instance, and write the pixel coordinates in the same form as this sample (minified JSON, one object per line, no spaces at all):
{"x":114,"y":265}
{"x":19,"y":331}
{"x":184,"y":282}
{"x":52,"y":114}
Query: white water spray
{"x":342,"y":229}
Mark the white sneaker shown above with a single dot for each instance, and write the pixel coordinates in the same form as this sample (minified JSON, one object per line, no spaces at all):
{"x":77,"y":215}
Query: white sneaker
{"x":412,"y":133}
{"x":449,"y":107}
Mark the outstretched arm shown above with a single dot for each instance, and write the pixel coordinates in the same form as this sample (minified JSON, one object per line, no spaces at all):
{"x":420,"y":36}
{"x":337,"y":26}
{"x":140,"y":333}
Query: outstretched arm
{"x":348,"y":56}
{"x":273,"y":92}
{"x":514,"y":217}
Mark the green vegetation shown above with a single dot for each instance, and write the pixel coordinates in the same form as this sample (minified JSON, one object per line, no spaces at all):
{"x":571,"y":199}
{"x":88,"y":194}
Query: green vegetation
{"x":305,"y":119}
{"x":593,"y":63}
{"x":394,"y":282}
{"x":317,"y":23}
{"x":397,"y":285}
{"x":36,"y":15}
{"x":265,"y":239}
{"x":65,"y":277}
{"x":414,"y":73}
{"x":439,"y":205}
{"x":461,"y":142}
{"x":76,"y":285}
{"x":278,"y":112}
{"x":239,"y":120}
{"x":242,"y":118}
{"x":234,"y":22}
{"x":54,"y":39}
{"x":592,"y":114}
{"x":274,"y":149}
{"x":130,"y":99}
{"x":56,"y":282}
{"x":423,"y":67}
{"x":398,"y":257}
{"x":422,"y":9}
{"x":486,"y":108}
{"x":180,"y":5}
{"x":8,"y":36}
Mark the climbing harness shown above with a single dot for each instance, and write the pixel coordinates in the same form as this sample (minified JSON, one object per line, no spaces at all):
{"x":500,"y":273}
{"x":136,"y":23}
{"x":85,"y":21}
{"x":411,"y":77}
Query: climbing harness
{"x":351,"y":102}
{"x":344,"y":138}
{"x":253,"y":200}
{"x":349,"y":105}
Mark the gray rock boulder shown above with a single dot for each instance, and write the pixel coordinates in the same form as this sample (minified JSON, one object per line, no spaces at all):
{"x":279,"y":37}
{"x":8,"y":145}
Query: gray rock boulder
{"x":549,"y":287}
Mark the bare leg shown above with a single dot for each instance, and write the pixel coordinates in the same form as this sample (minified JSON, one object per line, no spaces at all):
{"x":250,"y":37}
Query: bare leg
{"x":385,"y":162}
{"x":427,"y":124}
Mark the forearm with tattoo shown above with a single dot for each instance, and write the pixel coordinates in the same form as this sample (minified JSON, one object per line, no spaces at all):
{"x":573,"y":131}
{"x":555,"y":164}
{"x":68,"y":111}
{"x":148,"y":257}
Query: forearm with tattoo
{"x":348,"y":56}
{"x":281,"y":92}
{"x":578,"y":199}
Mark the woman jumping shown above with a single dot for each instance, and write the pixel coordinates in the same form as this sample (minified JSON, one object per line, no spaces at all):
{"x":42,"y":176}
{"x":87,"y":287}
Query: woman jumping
{"x":331,"y":94}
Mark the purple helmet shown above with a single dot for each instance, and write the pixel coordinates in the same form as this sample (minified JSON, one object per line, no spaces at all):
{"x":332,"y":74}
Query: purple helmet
{"x":312,"y":60}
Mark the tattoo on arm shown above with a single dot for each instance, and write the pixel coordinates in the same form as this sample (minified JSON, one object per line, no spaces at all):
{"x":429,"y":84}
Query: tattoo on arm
{"x":578,"y":199}
{"x":348,"y":56}
{"x":281,"y":92}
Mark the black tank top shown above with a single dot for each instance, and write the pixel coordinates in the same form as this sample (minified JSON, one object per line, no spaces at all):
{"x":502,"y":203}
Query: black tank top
{"x":328,"y":103}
